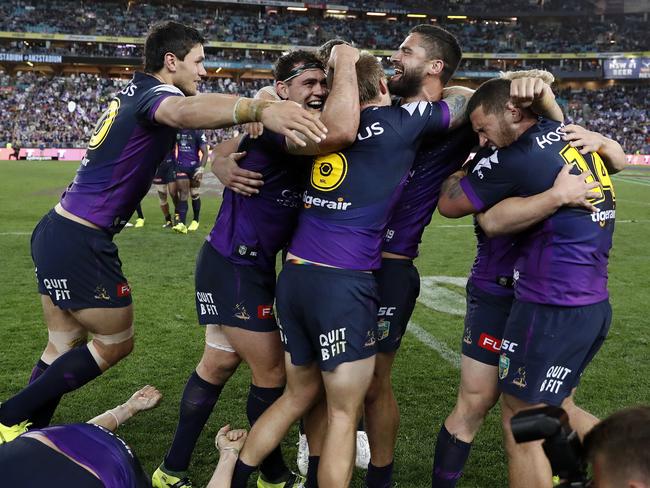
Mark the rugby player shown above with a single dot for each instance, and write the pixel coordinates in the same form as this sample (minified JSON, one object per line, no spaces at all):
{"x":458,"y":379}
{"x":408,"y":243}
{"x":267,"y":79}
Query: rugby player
{"x":165,"y":182}
{"x":77,"y":265}
{"x":561,"y":314}
{"x":327,"y":298}
{"x":191,"y":144}
{"x":86,"y":455}
{"x":235,"y":270}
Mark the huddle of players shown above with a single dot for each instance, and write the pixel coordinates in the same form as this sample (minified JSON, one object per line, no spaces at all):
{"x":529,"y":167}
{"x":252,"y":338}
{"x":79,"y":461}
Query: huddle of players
{"x":340,"y":325}
{"x":180,"y":175}
{"x":327,"y":299}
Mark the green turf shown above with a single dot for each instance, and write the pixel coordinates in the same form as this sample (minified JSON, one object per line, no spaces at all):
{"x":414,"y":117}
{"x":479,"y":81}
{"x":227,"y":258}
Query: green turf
{"x":160,"y":267}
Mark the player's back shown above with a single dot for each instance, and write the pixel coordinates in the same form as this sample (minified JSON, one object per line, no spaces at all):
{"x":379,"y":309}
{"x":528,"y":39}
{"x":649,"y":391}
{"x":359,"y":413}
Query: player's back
{"x":351,"y":193}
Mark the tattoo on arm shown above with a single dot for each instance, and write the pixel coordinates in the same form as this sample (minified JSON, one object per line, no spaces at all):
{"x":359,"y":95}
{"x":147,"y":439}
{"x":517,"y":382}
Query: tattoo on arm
{"x":451,"y":187}
{"x":457,"y":110}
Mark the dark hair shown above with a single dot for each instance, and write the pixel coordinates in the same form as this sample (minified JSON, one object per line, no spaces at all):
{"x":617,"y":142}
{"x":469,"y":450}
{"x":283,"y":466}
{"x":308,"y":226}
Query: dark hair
{"x":440,"y":44}
{"x":621,"y":442}
{"x":369,"y":73}
{"x":324,"y":51}
{"x":283,"y":67}
{"x":168,"y":37}
{"x":493,"y":95}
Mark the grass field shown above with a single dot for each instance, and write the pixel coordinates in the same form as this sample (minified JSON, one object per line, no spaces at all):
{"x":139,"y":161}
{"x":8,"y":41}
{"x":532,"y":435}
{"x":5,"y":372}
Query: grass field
{"x":160,"y":267}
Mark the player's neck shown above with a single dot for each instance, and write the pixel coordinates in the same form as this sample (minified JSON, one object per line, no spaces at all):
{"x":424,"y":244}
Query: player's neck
{"x":431,"y":91}
{"x":160,"y":76}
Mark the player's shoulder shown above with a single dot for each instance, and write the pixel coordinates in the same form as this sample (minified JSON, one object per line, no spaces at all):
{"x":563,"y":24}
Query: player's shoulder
{"x":150,"y":85}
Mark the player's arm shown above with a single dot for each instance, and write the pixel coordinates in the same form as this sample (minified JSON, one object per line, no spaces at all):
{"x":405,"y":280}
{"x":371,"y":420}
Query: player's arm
{"x":453,"y":202}
{"x":588,"y":141}
{"x":456,"y":98}
{"x":213,"y":111}
{"x":143,"y":399}
{"x":255,"y":129}
{"x":532,"y":89}
{"x":224,"y":163}
{"x":341,"y":111}
{"x":516,"y":214}
{"x":229,"y":443}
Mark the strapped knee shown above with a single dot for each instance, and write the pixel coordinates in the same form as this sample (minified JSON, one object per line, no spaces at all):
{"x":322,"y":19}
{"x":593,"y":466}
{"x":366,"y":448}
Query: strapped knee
{"x":63,"y":341}
{"x":195,"y":193}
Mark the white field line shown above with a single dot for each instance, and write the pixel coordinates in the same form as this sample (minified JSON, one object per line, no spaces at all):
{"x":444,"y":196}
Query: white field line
{"x":443,"y":300}
{"x":15,"y":233}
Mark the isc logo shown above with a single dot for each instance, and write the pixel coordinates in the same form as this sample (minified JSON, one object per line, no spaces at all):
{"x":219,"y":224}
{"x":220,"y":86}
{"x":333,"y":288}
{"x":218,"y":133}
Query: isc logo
{"x":386,"y":311}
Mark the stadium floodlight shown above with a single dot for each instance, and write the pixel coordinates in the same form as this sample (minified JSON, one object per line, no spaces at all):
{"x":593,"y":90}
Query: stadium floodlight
{"x":297,"y":9}
{"x":417,"y":16}
{"x":335,"y":11}
{"x":376,"y":14}
{"x":457,"y":17}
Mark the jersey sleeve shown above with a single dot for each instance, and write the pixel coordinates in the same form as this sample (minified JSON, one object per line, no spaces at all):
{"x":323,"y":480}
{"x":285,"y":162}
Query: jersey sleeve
{"x":150,"y":100}
{"x":422,"y":119}
{"x":492,"y":177}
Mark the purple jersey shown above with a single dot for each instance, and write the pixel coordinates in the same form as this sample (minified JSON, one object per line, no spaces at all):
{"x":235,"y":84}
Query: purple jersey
{"x":352,"y":193}
{"x":494,"y":264}
{"x":188,"y":143}
{"x":252,"y":230}
{"x":435,"y":161}
{"x":99,"y":449}
{"x":123,"y":153}
{"x":563,"y":260}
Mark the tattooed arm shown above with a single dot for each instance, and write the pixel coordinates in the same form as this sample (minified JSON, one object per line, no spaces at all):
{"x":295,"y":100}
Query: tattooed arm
{"x":453,"y":202}
{"x":456,"y":98}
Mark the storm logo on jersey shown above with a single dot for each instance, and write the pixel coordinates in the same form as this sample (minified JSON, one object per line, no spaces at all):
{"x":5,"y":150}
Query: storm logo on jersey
{"x":328,"y":172}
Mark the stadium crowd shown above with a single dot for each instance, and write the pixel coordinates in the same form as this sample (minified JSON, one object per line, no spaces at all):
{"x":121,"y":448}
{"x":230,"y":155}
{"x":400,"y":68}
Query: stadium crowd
{"x":232,"y":24}
{"x":44,"y":120}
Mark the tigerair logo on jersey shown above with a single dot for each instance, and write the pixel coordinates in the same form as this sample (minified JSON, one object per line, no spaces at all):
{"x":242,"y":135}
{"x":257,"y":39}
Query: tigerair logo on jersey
{"x":332,"y":344}
{"x":338,"y":204}
{"x":603,"y":216}
{"x":104,"y":124}
{"x":329,"y":171}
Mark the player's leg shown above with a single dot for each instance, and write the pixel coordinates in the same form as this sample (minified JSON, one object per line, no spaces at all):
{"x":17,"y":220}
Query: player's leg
{"x":200,"y":395}
{"x":528,"y":466}
{"x":579,"y":419}
{"x":345,"y":389}
{"x":315,"y":428}
{"x":164,"y":205}
{"x":172,"y":186}
{"x":183,"y":185}
{"x":264,"y":354}
{"x":398,"y":283}
{"x":64,"y":333}
{"x":140,"y":220}
{"x":485,"y":320}
{"x":195,"y":194}
{"x":304,"y":388}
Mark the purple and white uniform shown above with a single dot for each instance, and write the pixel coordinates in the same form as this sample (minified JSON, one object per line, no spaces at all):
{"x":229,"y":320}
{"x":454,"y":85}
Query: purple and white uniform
{"x":189,"y":143}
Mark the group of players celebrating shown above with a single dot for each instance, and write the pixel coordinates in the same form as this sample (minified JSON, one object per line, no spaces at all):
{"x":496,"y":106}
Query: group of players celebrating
{"x":342,"y":180}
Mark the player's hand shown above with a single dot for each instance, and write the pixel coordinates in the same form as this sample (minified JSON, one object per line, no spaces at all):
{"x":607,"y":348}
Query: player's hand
{"x":198,"y":174}
{"x":253,"y":129}
{"x":524,"y":91}
{"x":585,"y":140}
{"x":239,"y":180}
{"x":342,"y":53}
{"x":144,"y":399}
{"x":286,"y":117}
{"x":574,"y":190}
{"x":227,"y":438}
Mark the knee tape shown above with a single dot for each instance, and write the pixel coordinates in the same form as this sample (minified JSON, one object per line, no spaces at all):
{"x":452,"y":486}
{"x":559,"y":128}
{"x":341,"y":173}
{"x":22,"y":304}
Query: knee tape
{"x":195,"y":193}
{"x":116,"y":338}
{"x":216,"y":339}
{"x":64,"y":341}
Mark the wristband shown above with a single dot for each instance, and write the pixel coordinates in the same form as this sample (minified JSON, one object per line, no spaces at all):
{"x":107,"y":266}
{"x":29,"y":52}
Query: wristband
{"x":249,"y":110}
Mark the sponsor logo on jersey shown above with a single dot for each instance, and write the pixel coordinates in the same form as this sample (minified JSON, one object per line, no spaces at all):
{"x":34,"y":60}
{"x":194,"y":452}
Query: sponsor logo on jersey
{"x":486,"y":163}
{"x":555,"y":377}
{"x":550,"y":137}
{"x":57,"y":288}
{"x":329,"y":171}
{"x":206,"y":303}
{"x":338,"y":204}
{"x":367,"y":132}
{"x":489,"y":343}
{"x":602,"y":216}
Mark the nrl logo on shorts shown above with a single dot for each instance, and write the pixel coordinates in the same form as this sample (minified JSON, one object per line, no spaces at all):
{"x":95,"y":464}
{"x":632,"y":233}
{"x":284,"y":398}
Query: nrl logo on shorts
{"x":242,"y":250}
{"x":504,"y":366}
{"x":520,"y":380}
{"x":383,"y":329}
{"x":101,"y":293}
{"x":370,"y":339}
